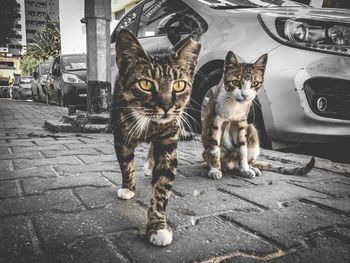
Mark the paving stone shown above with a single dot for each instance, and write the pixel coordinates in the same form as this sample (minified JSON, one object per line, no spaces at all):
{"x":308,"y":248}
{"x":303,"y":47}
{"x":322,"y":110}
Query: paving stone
{"x":85,"y":168}
{"x":106,"y":150}
{"x":38,"y":148}
{"x":288,"y":227}
{"x":25,"y":155}
{"x":289,"y":258}
{"x":58,"y":142}
{"x":61,"y":200}
{"x":14,"y":257}
{"x":100,"y":144}
{"x":24,"y":164}
{"x":88,"y":151}
{"x":336,"y":188}
{"x":97,"y":197}
{"x":90,"y":250}
{"x":22,"y":143}
{"x":41,"y":172}
{"x":37,"y":186}
{"x":98,"y":158}
{"x":183,"y":211}
{"x":14,"y":236}
{"x":5,"y":165}
{"x":275,"y":195}
{"x":59,"y":230}
{"x":209,"y":238}
{"x":4,"y":150}
{"x":195,"y":185}
{"x":8,"y":189}
{"x":335,"y":204}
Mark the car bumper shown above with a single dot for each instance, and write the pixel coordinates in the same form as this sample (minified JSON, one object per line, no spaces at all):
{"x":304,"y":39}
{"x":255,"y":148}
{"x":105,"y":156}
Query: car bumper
{"x":288,"y":113}
{"x":75,"y":93}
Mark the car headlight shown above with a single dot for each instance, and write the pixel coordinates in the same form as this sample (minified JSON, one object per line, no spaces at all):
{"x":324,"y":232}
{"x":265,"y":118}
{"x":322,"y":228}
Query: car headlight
{"x":70,"y":78}
{"x":312,"y":34}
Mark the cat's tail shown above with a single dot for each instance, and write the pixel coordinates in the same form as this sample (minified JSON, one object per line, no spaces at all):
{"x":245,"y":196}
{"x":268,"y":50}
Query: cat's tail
{"x":285,"y":170}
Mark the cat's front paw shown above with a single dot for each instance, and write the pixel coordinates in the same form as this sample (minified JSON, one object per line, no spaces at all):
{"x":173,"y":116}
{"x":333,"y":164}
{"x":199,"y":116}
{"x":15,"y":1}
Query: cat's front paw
{"x":162,"y":237}
{"x":214,"y":173}
{"x":248,"y":173}
{"x":125,"y":193}
{"x":256,"y":170}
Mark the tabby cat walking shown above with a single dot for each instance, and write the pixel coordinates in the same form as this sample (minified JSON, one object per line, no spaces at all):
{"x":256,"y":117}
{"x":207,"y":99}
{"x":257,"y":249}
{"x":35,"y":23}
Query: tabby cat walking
{"x":230,"y":143}
{"x":150,"y":96}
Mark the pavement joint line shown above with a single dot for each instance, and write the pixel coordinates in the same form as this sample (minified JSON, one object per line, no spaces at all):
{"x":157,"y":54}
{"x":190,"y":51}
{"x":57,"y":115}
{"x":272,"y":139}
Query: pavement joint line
{"x":268,"y":257}
{"x":19,"y":188}
{"x":55,"y":172}
{"x":9,"y":149}
{"x":33,"y":236}
{"x":79,"y":160}
{"x":75,"y":194}
{"x":11,"y":165}
{"x":115,"y":250}
{"x":105,"y":177}
{"x":243,"y":198}
{"x":325,"y":207}
{"x":41,"y":154}
{"x":326,"y":228}
{"x":310,"y":189}
{"x":65,"y":146}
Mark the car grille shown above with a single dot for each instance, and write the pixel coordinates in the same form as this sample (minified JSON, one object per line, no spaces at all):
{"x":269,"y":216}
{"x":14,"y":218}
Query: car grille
{"x":328,"y":97}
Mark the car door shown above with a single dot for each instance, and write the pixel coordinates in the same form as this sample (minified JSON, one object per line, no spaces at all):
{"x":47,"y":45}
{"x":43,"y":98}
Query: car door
{"x":53,"y":85}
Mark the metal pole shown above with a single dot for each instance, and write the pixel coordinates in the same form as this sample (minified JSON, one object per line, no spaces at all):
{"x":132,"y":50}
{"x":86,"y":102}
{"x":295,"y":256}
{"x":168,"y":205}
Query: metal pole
{"x":98,"y":17}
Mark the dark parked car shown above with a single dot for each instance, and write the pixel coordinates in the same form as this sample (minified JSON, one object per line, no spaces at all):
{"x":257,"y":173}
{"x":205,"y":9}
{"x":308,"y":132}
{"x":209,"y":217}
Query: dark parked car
{"x":67,"y":80}
{"x":25,"y":89}
{"x":4,"y":89}
{"x":39,"y":83}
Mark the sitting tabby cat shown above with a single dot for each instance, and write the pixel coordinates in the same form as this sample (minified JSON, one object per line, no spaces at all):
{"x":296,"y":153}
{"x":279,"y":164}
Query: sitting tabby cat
{"x":150,"y":96}
{"x":229,"y":141}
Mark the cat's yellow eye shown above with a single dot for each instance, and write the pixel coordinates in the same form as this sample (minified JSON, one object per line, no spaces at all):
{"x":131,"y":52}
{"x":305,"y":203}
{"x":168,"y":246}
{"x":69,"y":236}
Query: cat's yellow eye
{"x":179,"y":86}
{"x":236,"y":83}
{"x":145,"y":84}
{"x":255,"y":84}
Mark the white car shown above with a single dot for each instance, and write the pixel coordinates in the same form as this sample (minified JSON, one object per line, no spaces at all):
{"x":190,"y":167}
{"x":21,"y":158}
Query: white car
{"x":306,"y":93}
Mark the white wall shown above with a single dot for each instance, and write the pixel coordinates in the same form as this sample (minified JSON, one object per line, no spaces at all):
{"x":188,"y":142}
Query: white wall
{"x":73,"y":32}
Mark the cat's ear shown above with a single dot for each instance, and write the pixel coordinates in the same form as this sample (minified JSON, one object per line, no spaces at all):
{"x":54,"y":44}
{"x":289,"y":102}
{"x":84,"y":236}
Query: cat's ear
{"x":260,"y":64}
{"x":231,"y":60}
{"x":128,"y":49}
{"x":188,"y":53}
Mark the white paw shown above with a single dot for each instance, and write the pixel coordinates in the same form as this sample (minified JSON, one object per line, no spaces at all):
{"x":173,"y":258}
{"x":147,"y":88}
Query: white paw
{"x":125,"y":193}
{"x":147,"y":169}
{"x":161,"y":238}
{"x":256,"y":170}
{"x":248,"y":173}
{"x":214,"y":173}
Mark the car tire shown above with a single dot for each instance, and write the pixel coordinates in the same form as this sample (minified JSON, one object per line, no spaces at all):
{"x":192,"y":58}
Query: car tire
{"x":198,"y":94}
{"x":256,"y":117}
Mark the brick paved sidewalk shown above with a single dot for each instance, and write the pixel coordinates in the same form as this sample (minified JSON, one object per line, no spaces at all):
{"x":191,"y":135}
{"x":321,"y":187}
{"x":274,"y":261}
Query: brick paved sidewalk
{"x":58,"y":203}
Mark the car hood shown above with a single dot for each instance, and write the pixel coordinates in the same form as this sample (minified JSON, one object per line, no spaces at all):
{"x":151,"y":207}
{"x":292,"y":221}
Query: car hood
{"x":79,"y":73}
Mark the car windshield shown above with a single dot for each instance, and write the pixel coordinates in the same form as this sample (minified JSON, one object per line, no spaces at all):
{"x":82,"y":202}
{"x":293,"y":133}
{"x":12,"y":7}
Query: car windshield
{"x":232,"y":4}
{"x":72,"y":63}
{"x":45,"y":68}
{"x":25,"y":80}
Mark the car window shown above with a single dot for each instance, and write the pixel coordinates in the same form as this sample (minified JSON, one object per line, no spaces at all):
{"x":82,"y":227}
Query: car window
{"x":55,"y":66}
{"x":168,"y":17}
{"x":128,"y":22}
{"x":72,"y":63}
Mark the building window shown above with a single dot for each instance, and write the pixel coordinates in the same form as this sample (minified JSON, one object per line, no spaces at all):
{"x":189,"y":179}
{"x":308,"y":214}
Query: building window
{"x":29,"y":31}
{"x":18,"y":26}
{"x":7,"y":64}
{"x":41,"y":13}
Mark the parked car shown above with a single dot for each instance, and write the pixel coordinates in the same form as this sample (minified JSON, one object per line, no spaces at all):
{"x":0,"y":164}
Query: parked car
{"x":67,"y":80}
{"x":4,"y":89}
{"x":39,"y":83}
{"x":306,"y":95}
{"x":25,"y":90}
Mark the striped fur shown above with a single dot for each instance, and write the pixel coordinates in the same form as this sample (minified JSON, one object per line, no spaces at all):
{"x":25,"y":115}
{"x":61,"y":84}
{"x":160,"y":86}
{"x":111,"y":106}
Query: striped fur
{"x":230,"y":143}
{"x":154,"y":115}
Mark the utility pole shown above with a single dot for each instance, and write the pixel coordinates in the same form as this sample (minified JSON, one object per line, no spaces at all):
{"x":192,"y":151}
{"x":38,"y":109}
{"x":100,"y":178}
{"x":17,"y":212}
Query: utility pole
{"x":97,"y":19}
